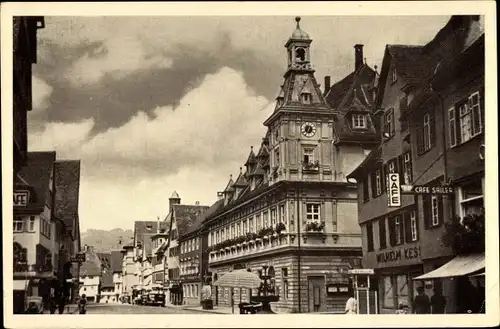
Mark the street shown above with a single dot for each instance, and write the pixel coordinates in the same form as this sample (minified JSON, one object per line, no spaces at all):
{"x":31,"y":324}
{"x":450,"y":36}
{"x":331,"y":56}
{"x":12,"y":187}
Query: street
{"x":133,"y":309}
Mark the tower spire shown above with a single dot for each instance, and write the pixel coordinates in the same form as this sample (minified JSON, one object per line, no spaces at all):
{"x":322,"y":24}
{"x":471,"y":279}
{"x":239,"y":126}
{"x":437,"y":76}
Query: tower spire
{"x":297,"y":19}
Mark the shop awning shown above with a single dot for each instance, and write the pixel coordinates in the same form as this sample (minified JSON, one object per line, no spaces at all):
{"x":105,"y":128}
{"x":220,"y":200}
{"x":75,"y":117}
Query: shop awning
{"x":19,"y":284}
{"x":458,"y":266}
{"x":477,"y":275}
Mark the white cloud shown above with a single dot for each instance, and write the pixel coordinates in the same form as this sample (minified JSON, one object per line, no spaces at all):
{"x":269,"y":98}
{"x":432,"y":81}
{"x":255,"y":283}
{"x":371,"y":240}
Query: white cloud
{"x":41,"y":93}
{"x":65,"y":138}
{"x":118,"y":56}
{"x":195,"y":147}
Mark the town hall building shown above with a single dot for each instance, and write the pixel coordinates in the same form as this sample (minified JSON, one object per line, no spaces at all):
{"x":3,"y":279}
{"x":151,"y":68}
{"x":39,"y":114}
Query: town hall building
{"x":292,"y":209}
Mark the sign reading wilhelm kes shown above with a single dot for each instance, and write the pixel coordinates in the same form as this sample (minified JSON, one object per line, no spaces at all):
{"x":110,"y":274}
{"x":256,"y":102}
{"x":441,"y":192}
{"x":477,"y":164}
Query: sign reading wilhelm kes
{"x":398,"y":255}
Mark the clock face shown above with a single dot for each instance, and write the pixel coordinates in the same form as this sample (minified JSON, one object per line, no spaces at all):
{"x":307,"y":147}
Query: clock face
{"x":308,"y":129}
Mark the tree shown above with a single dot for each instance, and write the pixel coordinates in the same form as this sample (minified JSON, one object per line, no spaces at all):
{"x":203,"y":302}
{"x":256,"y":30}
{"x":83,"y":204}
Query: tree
{"x":466,"y":235}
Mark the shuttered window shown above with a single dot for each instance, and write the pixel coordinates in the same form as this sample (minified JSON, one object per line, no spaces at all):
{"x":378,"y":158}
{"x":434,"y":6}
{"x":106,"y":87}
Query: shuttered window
{"x":426,"y":133}
{"x":382,"y":233}
{"x":433,"y":210}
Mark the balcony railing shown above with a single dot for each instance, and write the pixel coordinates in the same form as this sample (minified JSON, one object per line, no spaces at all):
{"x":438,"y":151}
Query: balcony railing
{"x":253,"y":243}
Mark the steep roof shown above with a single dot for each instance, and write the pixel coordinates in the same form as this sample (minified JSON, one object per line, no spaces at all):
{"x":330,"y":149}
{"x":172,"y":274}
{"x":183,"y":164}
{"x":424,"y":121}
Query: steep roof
{"x":240,"y":181}
{"x":67,"y":187}
{"x":105,"y":258}
{"x":187,"y":217}
{"x":143,"y":230}
{"x":91,"y":266}
{"x":116,"y":261}
{"x":251,"y":158}
{"x":107,"y":280}
{"x":37,"y":172}
{"x":229,"y":186}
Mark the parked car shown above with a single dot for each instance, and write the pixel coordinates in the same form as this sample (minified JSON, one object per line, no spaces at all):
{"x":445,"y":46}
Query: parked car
{"x":155,"y":298}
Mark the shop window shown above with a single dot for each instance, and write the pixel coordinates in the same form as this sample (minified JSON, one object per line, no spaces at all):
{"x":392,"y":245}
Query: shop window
{"x":471,"y":199}
{"x":388,"y":292}
{"x":369,"y":236}
{"x":402,"y":295}
{"x":312,"y":212}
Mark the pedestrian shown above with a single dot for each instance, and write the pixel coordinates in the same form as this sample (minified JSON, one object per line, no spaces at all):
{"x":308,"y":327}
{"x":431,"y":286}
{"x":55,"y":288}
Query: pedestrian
{"x":82,"y":305}
{"x":351,"y":306}
{"x":421,"y":303}
{"x":438,"y":302}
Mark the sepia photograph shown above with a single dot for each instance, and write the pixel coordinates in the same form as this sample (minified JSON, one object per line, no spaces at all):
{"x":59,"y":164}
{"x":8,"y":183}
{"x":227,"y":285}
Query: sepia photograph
{"x":305,"y":163}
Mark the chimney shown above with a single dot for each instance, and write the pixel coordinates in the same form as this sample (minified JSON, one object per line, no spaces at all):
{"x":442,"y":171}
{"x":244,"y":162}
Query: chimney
{"x":358,"y":56}
{"x":197,"y":203}
{"x":220,"y":195}
{"x":327,"y":84}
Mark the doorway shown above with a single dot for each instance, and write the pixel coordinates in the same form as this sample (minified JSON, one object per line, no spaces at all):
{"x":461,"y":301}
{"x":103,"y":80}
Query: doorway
{"x":316,"y":294}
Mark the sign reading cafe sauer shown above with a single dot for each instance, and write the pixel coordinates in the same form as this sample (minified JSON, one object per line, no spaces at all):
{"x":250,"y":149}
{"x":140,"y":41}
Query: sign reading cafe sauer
{"x":398,"y":254}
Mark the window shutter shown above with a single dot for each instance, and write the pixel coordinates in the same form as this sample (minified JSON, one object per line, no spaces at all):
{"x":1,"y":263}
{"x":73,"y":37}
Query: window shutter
{"x":401,"y":169}
{"x":432,"y":128}
{"x":392,"y":233}
{"x":440,"y":209}
{"x":384,"y":178}
{"x":426,"y":204}
{"x":407,"y":226}
{"x":452,"y":126}
{"x":420,"y":140}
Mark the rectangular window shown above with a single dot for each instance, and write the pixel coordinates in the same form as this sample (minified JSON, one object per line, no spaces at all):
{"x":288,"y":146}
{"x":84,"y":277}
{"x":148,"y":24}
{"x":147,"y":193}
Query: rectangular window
{"x":212,"y":240}
{"x":238,"y":229}
{"x":312,"y":212}
{"x":470,"y":124}
{"x":250,"y":225}
{"x":397,"y":230}
{"x":382,"y":233}
{"x":258,"y":223}
{"x":284,"y":277}
{"x":471,"y":199}
{"x":245,"y":227}
{"x":273,"y":217}
{"x":452,"y":127}
{"x":277,"y":158}
{"x":366,"y":193}
{"x":402,"y":290}
{"x":282,"y":214}
{"x":308,"y":155}
{"x":388,"y":292}
{"x":359,"y":121}
{"x":394,"y":75}
{"x":18,"y":224}
{"x":223,"y":234}
{"x":427,"y":132}
{"x":266,"y":220}
{"x":369,"y":236}
{"x":389,"y":123}
{"x":413,"y":225}
{"x":233,"y":231}
{"x":378,"y":182}
{"x":407,"y":169}
{"x":435,"y":210}
{"x":217,"y":238}
{"x":31,"y":225}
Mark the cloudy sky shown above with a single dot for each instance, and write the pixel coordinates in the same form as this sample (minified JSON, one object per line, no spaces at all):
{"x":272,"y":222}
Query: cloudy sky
{"x":156,"y":104}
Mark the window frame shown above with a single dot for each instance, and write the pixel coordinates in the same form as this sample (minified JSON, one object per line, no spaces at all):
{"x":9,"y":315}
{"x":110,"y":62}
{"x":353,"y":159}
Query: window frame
{"x":18,"y":223}
{"x":394,"y":75}
{"x":315,"y":215}
{"x":413,"y":225}
{"x":398,"y":237}
{"x":370,"y":246}
{"x":427,"y":131}
{"x":407,"y":168}
{"x":389,"y":124}
{"x":435,"y":220}
{"x":359,"y":121}
{"x":309,"y":152}
{"x":378,"y":182}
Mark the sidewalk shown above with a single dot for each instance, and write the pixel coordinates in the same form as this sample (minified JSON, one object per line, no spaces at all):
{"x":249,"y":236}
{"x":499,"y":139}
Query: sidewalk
{"x":199,"y":308}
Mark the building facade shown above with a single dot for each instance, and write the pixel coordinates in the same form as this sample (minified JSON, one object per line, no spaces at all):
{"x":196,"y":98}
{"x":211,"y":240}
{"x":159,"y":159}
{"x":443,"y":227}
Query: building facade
{"x":90,"y":276}
{"x":25,"y":54}
{"x":402,"y":242}
{"x":128,"y":271}
{"x":293,"y":209}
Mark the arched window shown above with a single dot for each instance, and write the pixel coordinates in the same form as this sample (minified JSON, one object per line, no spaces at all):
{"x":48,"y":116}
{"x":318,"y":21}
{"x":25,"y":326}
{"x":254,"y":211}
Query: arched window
{"x":271,"y":272}
{"x":300,"y":54}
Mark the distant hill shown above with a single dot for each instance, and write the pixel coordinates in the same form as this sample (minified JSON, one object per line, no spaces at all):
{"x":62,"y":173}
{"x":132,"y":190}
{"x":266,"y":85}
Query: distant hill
{"x":106,"y":241}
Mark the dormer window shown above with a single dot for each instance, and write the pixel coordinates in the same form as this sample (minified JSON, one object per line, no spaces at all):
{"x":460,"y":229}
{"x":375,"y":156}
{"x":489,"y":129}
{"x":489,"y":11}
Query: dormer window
{"x":359,"y":121}
{"x":306,"y":98}
{"x":394,"y":75}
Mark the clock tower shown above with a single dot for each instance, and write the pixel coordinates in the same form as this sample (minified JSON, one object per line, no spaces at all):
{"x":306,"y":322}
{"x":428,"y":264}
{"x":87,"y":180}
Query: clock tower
{"x":301,"y":126}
